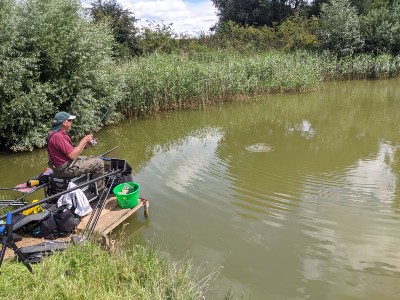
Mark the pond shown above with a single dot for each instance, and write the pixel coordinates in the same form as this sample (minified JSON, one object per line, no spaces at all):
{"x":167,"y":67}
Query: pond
{"x":288,"y":196}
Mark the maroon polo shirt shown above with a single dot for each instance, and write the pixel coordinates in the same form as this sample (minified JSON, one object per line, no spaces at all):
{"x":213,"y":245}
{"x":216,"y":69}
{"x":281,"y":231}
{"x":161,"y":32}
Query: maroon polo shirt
{"x":59,"y":146}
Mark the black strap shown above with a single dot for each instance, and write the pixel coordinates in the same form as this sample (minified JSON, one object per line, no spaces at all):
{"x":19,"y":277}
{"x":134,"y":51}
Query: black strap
{"x":51,"y":133}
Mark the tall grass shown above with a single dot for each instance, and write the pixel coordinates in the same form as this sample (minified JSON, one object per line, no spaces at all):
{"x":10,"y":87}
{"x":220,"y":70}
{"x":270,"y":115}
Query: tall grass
{"x":170,"y":81}
{"x":361,"y":66}
{"x":89,"y":272}
{"x":162,"y":81}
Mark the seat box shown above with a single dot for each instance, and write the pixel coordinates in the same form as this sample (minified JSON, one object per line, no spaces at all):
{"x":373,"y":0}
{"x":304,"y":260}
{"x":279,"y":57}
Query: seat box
{"x":60,"y":184}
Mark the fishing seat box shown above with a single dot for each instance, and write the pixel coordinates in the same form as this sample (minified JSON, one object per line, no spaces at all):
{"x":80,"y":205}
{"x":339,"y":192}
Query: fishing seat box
{"x":60,"y":184}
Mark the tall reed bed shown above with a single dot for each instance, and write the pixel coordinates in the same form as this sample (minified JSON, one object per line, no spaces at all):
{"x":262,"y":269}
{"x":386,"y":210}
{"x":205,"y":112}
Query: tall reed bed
{"x":361,"y":66}
{"x":162,"y":81}
{"x":169,"y":81}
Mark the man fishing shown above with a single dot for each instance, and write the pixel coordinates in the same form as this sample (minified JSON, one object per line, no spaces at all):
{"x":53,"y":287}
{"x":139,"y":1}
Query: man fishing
{"x":64,"y":157}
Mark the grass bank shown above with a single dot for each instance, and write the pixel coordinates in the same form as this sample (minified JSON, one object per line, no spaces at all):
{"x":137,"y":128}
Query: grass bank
{"x":89,"y":272}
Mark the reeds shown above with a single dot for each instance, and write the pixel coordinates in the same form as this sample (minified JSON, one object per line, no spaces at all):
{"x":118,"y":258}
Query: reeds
{"x":174,"y":81}
{"x":361,"y":66}
{"x":167,"y":81}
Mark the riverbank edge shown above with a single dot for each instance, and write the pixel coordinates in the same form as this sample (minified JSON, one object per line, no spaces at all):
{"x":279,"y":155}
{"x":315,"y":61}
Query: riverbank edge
{"x":89,"y":271}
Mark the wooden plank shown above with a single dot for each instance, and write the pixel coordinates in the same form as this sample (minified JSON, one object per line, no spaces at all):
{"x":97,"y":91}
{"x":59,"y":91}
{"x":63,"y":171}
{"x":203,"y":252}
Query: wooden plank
{"x":110,"y":205}
{"x":115,"y":217}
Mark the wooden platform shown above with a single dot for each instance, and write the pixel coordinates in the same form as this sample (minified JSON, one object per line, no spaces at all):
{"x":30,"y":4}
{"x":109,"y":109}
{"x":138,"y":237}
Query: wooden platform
{"x":111,"y":217}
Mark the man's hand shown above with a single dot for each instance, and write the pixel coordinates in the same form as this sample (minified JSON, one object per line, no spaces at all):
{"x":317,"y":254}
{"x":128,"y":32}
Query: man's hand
{"x":85,"y":142}
{"x":87,"y":139}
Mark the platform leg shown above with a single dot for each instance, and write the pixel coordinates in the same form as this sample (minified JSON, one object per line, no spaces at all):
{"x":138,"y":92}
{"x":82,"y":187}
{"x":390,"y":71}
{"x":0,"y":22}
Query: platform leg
{"x":146,"y":205}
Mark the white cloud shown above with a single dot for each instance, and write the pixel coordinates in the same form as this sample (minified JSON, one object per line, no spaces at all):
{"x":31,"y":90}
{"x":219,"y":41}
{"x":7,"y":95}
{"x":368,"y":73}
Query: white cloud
{"x":185,"y":16}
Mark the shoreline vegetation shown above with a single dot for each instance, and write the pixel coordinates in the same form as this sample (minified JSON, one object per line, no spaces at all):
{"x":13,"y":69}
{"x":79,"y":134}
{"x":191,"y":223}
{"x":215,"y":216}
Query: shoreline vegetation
{"x":174,"y":81}
{"x":55,"y":56}
{"x":89,"y":272}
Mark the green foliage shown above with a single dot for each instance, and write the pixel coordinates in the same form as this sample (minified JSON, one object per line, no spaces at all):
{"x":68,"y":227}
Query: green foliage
{"x":361,"y":6}
{"x":157,"y":37}
{"x":122,"y":23}
{"x":51,"y":59}
{"x":233,"y":35}
{"x":256,"y":12}
{"x":381,"y":29}
{"x":339,"y":28}
{"x":297,"y":32}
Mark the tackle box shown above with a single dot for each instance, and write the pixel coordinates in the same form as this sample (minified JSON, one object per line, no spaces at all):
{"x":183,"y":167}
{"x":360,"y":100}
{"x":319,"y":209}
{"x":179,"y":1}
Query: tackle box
{"x":60,"y":184}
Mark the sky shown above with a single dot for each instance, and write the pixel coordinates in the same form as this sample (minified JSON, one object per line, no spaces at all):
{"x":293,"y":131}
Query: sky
{"x":186,"y":16}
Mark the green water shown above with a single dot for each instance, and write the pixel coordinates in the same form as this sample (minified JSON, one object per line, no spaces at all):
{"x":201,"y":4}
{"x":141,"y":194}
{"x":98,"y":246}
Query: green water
{"x":295,"y":196}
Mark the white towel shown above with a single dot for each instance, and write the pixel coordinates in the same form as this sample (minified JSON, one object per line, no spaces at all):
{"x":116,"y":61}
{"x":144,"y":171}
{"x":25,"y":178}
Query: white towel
{"x":76,"y":200}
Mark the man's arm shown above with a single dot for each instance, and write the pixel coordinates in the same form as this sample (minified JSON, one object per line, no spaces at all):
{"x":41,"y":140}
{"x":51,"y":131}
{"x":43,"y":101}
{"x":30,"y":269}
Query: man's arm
{"x":82,"y":145}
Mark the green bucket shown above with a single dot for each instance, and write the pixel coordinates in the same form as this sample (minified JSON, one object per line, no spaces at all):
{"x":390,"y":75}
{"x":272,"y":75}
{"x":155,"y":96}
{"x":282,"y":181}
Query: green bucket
{"x":127,"y":194}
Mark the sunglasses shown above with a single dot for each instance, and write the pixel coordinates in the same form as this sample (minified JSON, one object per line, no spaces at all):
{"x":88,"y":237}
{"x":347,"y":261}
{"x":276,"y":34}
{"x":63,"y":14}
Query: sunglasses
{"x":69,"y":120}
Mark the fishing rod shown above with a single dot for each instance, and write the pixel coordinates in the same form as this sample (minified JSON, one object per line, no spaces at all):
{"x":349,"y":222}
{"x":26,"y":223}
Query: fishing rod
{"x":105,"y":153}
{"x":52,"y":197}
{"x":13,"y":189}
{"x":8,"y":203}
{"x":95,"y":215}
{"x":17,"y":188}
{"x":92,"y":142}
{"x":18,"y":200}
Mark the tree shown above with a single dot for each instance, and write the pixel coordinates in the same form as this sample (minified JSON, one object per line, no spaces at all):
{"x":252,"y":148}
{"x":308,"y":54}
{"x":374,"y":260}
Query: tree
{"x":381,"y":28}
{"x":362,"y":6}
{"x":339,"y":28}
{"x":122,"y":23}
{"x":256,"y":12}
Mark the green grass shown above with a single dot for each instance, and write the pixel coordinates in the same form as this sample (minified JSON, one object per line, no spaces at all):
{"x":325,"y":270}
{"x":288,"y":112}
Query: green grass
{"x":87,"y":271}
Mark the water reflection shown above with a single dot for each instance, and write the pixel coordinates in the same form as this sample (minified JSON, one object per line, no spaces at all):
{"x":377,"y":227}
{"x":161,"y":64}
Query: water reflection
{"x":373,"y":178}
{"x":189,"y":162}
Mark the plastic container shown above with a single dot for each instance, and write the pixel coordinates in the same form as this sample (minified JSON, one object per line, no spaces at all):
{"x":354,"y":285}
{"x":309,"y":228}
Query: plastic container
{"x":127,"y":194}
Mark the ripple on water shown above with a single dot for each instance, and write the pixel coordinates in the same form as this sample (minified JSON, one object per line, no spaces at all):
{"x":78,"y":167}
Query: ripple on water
{"x":259,"y":147}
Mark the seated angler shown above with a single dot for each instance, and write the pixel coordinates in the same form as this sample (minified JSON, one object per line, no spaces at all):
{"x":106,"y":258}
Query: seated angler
{"x":64,"y":157}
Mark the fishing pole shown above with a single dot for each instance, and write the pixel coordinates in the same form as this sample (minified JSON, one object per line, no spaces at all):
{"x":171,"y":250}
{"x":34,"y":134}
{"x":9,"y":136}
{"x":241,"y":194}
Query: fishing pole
{"x":92,"y":142}
{"x":52,"y":197}
{"x":13,"y":189}
{"x":22,"y":197}
{"x":8,"y":203}
{"x":105,"y":153}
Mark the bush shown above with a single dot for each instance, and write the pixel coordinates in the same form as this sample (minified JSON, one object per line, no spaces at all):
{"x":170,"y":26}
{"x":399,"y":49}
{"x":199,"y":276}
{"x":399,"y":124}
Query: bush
{"x":52,"y":59}
{"x":297,"y":32}
{"x":157,"y":37}
{"x":381,"y":29}
{"x":339,"y":28}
